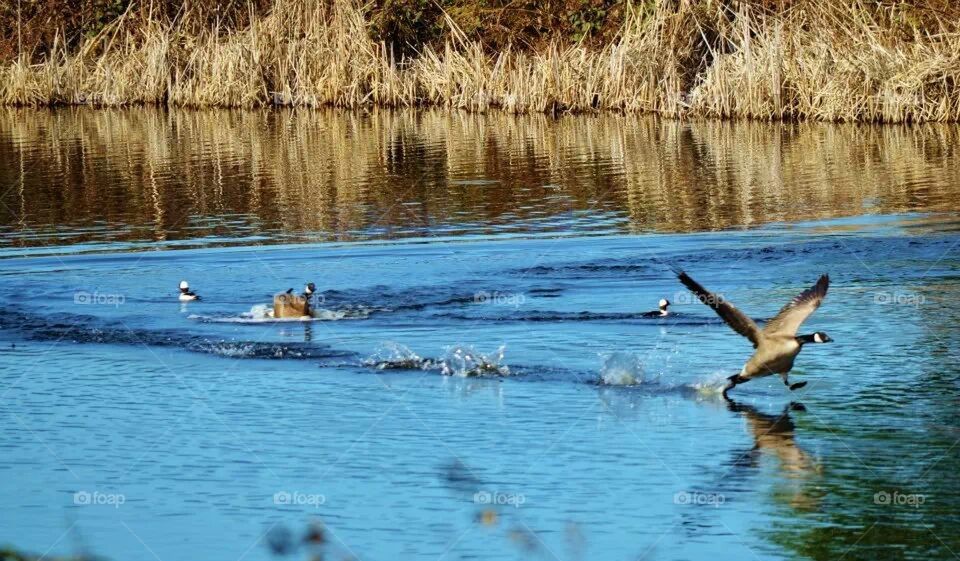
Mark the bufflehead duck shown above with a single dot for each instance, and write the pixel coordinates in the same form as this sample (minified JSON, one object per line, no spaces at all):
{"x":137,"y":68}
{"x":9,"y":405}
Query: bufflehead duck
{"x":185,"y":294}
{"x":777,"y":344}
{"x":290,"y":305}
{"x":662,"y":312}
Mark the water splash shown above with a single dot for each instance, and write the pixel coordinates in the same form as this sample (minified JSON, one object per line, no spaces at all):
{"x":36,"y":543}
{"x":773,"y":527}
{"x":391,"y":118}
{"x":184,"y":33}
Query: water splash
{"x":395,"y":356}
{"x":227,"y":350}
{"x":621,"y":369}
{"x":296,"y":350}
{"x":465,"y":361}
{"x":247,"y":349}
{"x":711,"y":384}
{"x":462,"y":361}
{"x":260,"y":311}
{"x":263,"y":313}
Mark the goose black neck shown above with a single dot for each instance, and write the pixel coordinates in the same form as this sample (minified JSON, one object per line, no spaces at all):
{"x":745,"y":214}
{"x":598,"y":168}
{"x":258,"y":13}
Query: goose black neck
{"x":803,"y":339}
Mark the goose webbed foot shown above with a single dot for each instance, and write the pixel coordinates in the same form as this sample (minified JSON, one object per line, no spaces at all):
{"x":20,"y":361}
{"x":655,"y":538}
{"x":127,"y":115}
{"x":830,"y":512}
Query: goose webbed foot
{"x":797,"y":386}
{"x":732,"y":381}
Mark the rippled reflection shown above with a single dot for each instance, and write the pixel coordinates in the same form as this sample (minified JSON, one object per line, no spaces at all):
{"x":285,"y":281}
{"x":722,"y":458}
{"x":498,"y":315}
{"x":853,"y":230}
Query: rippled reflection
{"x":774,"y":436}
{"x":78,"y":175}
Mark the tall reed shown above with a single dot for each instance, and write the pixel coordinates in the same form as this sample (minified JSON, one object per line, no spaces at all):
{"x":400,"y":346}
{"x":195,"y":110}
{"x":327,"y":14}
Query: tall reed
{"x":822,"y":60}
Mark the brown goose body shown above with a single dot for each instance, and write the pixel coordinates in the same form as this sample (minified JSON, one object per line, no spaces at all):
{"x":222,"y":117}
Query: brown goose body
{"x":774,"y":355}
{"x":290,"y":305}
{"x":777,"y":344}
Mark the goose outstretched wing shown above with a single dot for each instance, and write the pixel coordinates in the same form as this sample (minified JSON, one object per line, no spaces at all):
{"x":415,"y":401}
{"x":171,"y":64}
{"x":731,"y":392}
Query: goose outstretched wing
{"x":788,"y":321}
{"x":727,"y":311}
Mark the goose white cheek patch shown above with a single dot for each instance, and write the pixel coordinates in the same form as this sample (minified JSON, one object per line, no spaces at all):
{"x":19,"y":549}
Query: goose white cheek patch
{"x":817,"y":338}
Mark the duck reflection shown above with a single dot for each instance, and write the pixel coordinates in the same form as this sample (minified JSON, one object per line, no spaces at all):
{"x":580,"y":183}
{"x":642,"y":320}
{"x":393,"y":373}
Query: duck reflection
{"x":774,"y":436}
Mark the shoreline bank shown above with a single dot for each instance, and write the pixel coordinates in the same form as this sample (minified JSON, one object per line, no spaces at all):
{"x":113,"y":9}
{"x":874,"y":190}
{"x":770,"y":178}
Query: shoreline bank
{"x":731,"y":60}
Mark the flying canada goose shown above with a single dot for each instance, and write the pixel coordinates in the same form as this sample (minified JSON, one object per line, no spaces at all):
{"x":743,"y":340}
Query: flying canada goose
{"x":660,"y":313}
{"x":185,"y":294}
{"x":290,"y":305}
{"x":777,"y":344}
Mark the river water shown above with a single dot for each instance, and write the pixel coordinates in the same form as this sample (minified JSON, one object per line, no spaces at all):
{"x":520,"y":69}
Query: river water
{"x":479,"y":380}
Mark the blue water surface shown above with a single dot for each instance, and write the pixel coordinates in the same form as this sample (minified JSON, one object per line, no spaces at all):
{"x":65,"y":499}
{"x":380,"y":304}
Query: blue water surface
{"x":469,"y":393}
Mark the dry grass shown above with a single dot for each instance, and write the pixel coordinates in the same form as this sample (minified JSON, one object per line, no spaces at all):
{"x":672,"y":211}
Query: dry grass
{"x":823,"y":60}
{"x":837,"y":63}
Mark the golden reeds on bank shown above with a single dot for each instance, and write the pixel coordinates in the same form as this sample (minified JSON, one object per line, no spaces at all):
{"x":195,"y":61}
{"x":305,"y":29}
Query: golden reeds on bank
{"x":817,"y":59}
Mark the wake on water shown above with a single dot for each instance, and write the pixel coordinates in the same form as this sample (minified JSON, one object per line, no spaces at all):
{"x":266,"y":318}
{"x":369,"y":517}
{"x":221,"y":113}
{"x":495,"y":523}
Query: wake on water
{"x":263,"y":313}
{"x":87,"y":330}
{"x":618,"y":369}
{"x":626,"y":369}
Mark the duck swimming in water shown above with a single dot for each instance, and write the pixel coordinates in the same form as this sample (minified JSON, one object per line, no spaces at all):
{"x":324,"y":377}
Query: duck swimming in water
{"x":660,"y":313}
{"x":290,"y":305}
{"x":777,"y":344}
{"x":185,"y":294}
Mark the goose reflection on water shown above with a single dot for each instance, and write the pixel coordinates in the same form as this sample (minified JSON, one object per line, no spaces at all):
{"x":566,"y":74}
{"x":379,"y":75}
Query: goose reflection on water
{"x":774,"y":436}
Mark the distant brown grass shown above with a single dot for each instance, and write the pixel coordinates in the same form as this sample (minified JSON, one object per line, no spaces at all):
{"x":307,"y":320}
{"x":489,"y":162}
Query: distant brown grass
{"x":823,"y":60}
